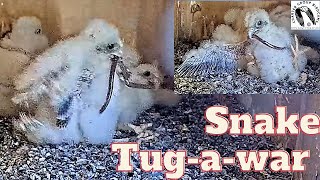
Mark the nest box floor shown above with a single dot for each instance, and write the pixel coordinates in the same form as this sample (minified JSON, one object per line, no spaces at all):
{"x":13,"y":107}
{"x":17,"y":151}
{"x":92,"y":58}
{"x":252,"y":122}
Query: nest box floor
{"x":241,"y":82}
{"x":179,"y":127}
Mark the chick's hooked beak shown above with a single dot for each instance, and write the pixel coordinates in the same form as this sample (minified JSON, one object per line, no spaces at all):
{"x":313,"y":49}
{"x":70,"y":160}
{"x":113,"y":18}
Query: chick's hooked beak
{"x":251,"y":32}
{"x":256,"y":28}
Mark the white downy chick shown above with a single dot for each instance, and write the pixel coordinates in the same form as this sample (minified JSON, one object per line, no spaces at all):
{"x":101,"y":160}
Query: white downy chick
{"x":238,"y":24}
{"x":13,"y":62}
{"x":225,"y":33}
{"x":274,"y":64}
{"x":70,"y":81}
{"x":223,"y":54}
{"x":25,"y":32}
{"x":237,"y":15}
{"x":232,"y":31}
{"x":137,"y":100}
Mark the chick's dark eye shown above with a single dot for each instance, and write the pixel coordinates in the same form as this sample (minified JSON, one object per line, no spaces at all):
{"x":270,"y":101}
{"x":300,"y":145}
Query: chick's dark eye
{"x":147,"y":73}
{"x":111,"y":46}
{"x":38,"y":31}
{"x":259,"y":23}
{"x":92,"y":36}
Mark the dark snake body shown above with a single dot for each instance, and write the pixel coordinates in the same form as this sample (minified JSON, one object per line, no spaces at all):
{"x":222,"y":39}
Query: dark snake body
{"x":115,"y":60}
{"x":84,"y":82}
{"x":267,"y":43}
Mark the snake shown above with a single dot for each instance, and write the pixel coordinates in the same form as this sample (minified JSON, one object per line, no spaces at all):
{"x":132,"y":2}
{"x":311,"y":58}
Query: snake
{"x":116,"y":60}
{"x":267,"y":43}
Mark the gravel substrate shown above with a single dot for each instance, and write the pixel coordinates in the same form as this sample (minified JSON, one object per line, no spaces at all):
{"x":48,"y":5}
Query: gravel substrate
{"x":180,"y":127}
{"x":240,"y":82}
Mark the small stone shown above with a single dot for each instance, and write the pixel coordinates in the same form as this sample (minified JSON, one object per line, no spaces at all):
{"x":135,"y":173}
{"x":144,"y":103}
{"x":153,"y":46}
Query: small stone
{"x":229,"y":78}
{"x":100,"y":168}
{"x":303,"y":78}
{"x":34,"y":177}
{"x":81,"y":161}
{"x":9,"y":169}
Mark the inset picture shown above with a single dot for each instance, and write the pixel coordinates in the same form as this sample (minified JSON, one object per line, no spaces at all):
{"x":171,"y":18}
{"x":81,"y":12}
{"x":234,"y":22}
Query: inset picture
{"x":244,"y":48}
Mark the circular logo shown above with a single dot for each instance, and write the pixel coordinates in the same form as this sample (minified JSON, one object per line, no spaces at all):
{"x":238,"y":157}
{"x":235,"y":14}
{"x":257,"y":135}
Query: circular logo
{"x":305,"y":14}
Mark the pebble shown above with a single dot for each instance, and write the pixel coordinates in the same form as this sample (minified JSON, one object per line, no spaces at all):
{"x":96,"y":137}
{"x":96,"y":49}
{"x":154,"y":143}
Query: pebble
{"x":240,"y":82}
{"x":97,"y":162}
{"x":229,"y":78}
{"x":81,"y":161}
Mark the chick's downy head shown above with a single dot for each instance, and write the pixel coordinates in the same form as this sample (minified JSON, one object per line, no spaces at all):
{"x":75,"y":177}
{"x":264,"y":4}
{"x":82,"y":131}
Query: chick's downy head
{"x":27,"y":34}
{"x":28,"y":24}
{"x":105,"y":36}
{"x":147,"y":74}
{"x":256,"y":21}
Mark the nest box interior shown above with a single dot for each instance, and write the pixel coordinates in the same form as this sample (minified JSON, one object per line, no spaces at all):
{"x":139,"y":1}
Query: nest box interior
{"x":141,"y":23}
{"x":209,"y":16}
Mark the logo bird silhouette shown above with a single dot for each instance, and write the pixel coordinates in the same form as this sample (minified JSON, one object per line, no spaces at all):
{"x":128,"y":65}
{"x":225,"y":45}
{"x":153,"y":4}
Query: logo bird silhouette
{"x":309,"y":13}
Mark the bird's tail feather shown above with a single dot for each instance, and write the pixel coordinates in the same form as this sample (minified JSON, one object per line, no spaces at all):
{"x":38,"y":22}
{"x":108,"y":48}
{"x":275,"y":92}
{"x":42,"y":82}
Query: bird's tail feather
{"x":36,"y":131}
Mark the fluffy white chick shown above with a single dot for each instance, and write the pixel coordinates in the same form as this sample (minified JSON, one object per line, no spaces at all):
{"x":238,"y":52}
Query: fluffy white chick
{"x":233,"y":31}
{"x":274,"y":64}
{"x":27,"y":34}
{"x":137,"y":100}
{"x":69,"y":83}
{"x":13,"y":62}
{"x":225,"y":33}
{"x":229,"y":32}
{"x":235,"y":19}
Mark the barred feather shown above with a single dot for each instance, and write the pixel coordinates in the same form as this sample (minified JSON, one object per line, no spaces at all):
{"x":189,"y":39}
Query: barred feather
{"x":65,"y":107}
{"x":211,"y":57}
